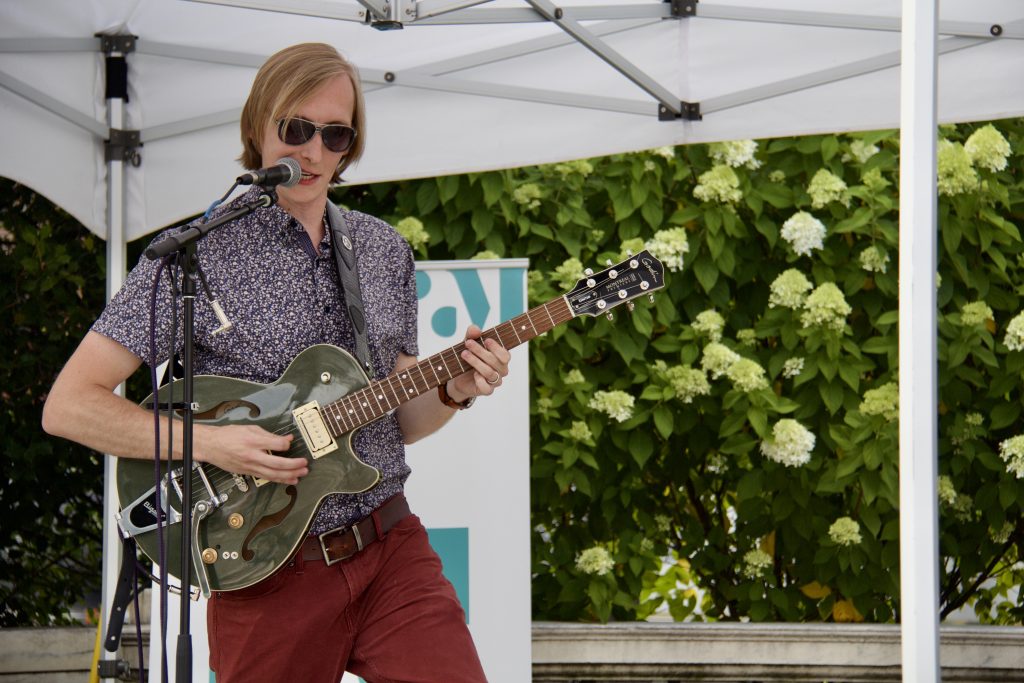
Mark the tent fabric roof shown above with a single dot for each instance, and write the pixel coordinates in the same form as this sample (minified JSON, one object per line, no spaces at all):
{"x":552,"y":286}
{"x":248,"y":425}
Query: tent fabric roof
{"x":453,"y":98}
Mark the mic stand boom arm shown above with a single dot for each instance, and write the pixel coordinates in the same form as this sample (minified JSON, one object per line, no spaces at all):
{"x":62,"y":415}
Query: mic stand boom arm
{"x":184,"y":243}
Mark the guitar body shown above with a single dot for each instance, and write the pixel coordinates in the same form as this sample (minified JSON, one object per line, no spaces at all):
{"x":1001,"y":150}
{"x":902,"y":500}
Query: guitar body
{"x":256,"y":527}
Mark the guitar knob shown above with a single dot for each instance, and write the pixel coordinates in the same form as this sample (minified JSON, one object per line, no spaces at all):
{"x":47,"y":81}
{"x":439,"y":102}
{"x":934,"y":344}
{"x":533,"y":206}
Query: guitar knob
{"x":235,"y":521}
{"x":209,"y":556}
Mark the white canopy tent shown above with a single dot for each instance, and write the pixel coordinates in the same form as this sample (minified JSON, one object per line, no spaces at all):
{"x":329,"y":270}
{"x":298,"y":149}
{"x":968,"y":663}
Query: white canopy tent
{"x":470,"y":86}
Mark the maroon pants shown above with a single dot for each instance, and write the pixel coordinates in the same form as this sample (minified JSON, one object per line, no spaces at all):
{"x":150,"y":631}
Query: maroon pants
{"x":385,"y":614}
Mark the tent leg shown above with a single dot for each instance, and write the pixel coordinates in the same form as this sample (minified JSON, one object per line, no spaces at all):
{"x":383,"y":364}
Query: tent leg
{"x":116,"y":268}
{"x":918,"y":358}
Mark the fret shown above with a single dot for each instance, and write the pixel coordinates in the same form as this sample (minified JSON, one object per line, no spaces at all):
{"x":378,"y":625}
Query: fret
{"x":426,"y":382}
{"x":331,"y":416}
{"x":406,"y":392}
{"x":372,"y":391}
{"x":397,"y":396}
{"x":553,"y":323}
{"x":511,"y":324}
{"x":529,"y":318}
{"x":378,"y":388}
{"x":437,"y":378}
{"x":364,"y":403}
{"x":356,"y":409}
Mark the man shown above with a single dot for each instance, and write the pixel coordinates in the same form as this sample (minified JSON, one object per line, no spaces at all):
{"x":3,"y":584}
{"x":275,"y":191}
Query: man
{"x":385,"y":613}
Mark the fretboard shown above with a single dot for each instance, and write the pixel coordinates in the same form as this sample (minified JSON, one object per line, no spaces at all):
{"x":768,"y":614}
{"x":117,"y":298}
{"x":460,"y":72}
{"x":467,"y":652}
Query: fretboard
{"x":382,"y":396}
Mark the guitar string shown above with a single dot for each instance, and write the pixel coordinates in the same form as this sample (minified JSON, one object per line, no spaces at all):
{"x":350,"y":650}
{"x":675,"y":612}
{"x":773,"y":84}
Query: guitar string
{"x":495,"y":333}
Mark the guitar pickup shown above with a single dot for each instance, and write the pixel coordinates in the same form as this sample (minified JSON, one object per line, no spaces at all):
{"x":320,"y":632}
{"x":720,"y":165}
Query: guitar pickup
{"x":315,"y":434}
{"x":314,"y":430}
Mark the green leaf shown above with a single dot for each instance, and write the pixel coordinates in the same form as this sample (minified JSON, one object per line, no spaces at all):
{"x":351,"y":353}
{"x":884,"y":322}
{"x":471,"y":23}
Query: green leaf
{"x":493,"y":185}
{"x":664,"y":421}
{"x":706,"y":273}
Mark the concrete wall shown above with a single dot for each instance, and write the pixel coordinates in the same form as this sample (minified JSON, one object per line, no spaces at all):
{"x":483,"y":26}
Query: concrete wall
{"x":639,"y":653}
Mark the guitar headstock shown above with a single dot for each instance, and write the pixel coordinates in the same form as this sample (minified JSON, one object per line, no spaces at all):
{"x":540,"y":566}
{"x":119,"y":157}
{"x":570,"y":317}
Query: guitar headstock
{"x":598,"y":293}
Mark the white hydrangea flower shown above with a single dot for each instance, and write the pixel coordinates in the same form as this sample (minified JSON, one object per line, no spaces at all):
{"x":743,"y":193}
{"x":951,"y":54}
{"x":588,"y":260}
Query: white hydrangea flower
{"x":956,"y":174}
{"x":567,"y":274}
{"x":574,"y":376}
{"x":747,"y":375}
{"x":826,"y":307}
{"x":946,"y":491}
{"x":874,"y":180}
{"x":411,"y":228}
{"x":649,"y":165}
{"x":874,"y":260}
{"x":845,"y":531}
{"x":747,"y":336}
{"x":791,"y":444}
{"x":717,"y":359}
{"x":630,"y":247}
{"x":736,"y":153}
{"x":963,"y":508}
{"x":1014,"y":338}
{"x":975,"y":313}
{"x":1003,"y":535}
{"x":581,"y":167}
{"x":827,"y":187}
{"x":1012,"y":453}
{"x":616,"y":404}
{"x":720,"y":184}
{"x":663,"y":522}
{"x":484,"y":255}
{"x":710,"y":323}
{"x":755,"y":562}
{"x":884,"y":401}
{"x":793,"y":367}
{"x":861,"y":151}
{"x":665,"y":152}
{"x":668,"y":246}
{"x":646,"y":545}
{"x":789,"y":290}
{"x":777,"y":176}
{"x":688,"y":383}
{"x":974,"y":419}
{"x":804,"y":233}
{"x":596,"y":560}
{"x":987,"y":148}
{"x":580,"y":431}
{"x":528,"y":195}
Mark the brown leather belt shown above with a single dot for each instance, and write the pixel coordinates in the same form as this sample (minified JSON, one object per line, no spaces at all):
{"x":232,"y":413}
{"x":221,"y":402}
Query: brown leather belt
{"x":345,"y":541}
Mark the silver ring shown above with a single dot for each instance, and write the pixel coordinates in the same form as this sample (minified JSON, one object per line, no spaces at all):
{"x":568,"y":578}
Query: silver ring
{"x":497,"y":378}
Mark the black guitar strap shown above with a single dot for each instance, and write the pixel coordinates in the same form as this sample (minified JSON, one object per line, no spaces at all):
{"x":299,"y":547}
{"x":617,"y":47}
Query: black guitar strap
{"x":345,"y":259}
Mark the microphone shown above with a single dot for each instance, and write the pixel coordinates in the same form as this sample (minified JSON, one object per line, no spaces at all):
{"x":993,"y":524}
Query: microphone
{"x":286,"y":172}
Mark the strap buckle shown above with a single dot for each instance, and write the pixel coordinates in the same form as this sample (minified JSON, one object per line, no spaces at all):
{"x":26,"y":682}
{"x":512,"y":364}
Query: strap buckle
{"x":341,"y":531}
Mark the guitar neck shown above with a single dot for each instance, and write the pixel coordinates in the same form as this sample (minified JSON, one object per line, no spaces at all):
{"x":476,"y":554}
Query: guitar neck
{"x":382,"y":396}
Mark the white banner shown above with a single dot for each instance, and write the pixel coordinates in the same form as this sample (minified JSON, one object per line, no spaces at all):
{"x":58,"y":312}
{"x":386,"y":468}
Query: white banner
{"x":470,"y":480}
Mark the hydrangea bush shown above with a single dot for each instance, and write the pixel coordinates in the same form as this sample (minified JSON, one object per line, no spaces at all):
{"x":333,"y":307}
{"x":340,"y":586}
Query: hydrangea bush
{"x":731,"y":451}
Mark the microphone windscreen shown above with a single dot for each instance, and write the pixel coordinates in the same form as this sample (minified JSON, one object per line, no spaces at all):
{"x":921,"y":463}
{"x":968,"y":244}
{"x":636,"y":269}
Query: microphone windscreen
{"x":296,"y":171}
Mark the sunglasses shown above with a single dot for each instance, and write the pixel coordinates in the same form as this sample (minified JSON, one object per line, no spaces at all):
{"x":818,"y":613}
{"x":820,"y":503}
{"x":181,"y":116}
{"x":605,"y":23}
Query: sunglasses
{"x":337,"y":137}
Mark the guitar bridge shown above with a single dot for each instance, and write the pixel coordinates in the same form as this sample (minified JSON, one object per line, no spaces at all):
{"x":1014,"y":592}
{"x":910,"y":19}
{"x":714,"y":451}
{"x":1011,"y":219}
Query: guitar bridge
{"x":314,"y":430}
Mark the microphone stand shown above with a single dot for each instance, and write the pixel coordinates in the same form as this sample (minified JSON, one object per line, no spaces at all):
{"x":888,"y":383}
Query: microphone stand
{"x":185,"y":244}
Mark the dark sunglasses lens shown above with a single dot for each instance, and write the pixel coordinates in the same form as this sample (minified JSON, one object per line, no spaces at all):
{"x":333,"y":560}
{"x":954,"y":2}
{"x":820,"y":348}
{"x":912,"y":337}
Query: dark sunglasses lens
{"x":337,"y":138}
{"x":296,"y":131}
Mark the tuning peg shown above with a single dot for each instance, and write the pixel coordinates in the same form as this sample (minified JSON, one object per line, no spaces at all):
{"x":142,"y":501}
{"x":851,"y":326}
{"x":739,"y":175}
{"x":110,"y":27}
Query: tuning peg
{"x":610,"y":315}
{"x":629,"y":253}
{"x":630,"y":306}
{"x":608,"y":262}
{"x":651,"y":297}
{"x":588,"y":272}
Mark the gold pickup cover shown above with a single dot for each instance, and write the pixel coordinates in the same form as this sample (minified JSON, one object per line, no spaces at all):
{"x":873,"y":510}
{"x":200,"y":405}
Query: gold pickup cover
{"x":314,"y":430}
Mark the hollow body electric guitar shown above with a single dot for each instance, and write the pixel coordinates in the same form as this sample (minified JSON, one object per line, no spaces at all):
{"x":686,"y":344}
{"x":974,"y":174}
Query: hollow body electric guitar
{"x":244,"y":528}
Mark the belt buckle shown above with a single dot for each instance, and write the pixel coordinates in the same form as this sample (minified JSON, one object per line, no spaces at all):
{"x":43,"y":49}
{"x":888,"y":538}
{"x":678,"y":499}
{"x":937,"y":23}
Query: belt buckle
{"x":353,"y":529}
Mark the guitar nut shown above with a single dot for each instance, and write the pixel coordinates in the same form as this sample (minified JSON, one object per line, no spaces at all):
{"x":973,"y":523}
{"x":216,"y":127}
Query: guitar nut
{"x":209,"y":556}
{"x":235,"y":521}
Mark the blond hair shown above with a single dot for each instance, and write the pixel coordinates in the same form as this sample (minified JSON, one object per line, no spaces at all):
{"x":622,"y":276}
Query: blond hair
{"x":283,"y":83}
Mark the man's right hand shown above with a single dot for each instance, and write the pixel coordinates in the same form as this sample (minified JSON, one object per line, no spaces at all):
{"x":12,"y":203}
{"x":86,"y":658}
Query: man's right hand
{"x":249,"y":450}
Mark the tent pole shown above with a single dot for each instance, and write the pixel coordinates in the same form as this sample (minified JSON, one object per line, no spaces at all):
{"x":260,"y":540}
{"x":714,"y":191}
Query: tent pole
{"x":116,"y":269}
{"x":918,"y":358}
